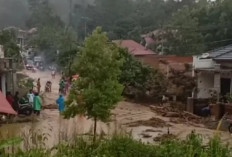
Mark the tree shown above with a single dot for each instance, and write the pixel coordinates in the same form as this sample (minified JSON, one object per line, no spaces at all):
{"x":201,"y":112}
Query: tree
{"x":8,"y":41}
{"x":49,"y":40}
{"x":141,"y":82}
{"x":184,"y":37}
{"x":97,"y":90}
{"x":42,"y":15}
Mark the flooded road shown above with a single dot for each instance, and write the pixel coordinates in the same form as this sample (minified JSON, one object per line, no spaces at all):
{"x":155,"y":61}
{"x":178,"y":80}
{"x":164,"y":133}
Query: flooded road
{"x":50,"y":128}
{"x":50,"y":124}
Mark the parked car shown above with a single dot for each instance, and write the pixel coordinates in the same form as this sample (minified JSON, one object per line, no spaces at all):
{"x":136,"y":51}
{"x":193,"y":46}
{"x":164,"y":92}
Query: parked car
{"x":29,"y":65}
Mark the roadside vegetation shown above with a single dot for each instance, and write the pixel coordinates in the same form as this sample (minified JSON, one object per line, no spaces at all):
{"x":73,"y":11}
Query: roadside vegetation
{"x":125,"y":146}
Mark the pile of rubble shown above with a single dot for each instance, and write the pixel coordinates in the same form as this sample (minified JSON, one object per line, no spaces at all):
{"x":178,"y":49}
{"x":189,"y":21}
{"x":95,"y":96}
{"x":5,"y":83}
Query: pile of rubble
{"x":164,"y":137}
{"x":153,"y":122}
{"x":50,"y":106}
{"x":177,"y":116}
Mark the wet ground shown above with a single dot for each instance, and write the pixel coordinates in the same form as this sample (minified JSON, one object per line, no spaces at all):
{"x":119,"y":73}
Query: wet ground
{"x":53,"y":128}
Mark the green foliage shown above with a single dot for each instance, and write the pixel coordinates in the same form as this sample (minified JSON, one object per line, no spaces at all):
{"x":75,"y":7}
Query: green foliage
{"x":184,"y":37}
{"x":140,"y":81}
{"x":97,"y":90}
{"x":52,"y":36}
{"x":49,"y":40}
{"x":10,"y":142}
{"x":201,"y":26}
{"x":125,"y":146}
{"x":8,"y":41}
{"x":42,"y":15}
{"x":26,"y":83}
{"x":122,"y":19}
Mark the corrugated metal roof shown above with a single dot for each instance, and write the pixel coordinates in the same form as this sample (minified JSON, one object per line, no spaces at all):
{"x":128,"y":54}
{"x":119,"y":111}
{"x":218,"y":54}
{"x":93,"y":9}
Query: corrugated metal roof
{"x":220,"y":51}
{"x":226,"y":56}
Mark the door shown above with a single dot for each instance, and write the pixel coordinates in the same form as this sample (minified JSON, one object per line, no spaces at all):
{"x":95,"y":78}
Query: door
{"x":225,"y":86}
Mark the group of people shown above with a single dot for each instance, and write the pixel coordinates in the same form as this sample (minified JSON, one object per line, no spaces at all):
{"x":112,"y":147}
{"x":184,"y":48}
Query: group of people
{"x":64,"y":85}
{"x":63,"y":90}
{"x":33,"y":99}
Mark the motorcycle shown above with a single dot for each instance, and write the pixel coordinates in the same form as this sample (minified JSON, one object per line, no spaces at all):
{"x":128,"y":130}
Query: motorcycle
{"x":25,"y":107}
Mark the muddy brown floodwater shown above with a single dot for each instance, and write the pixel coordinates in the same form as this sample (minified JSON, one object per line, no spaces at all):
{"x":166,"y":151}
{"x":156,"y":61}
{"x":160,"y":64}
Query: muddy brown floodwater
{"x":127,"y":117}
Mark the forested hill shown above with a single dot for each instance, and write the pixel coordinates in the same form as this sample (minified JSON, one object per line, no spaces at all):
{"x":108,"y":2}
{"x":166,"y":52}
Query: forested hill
{"x":16,"y":12}
{"x":185,"y":27}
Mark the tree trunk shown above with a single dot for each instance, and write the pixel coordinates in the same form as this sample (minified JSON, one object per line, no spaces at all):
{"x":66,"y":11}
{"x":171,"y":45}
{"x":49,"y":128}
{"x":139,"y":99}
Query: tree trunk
{"x":95,"y":129}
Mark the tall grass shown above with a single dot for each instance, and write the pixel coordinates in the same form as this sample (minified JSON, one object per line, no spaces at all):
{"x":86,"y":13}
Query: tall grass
{"x":125,"y":146}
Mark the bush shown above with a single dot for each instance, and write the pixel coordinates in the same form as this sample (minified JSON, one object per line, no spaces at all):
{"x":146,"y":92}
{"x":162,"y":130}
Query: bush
{"x":125,"y":146}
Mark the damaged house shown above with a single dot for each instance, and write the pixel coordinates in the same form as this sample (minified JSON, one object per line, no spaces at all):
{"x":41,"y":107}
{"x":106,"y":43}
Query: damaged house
{"x":213,"y":71}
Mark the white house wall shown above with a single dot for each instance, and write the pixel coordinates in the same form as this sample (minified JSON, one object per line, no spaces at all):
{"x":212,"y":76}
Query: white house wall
{"x":1,"y":52}
{"x":205,"y":83}
{"x":199,"y":63}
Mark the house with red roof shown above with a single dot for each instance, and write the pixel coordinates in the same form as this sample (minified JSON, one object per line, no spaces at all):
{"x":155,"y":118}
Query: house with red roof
{"x":163,"y":62}
{"x":134,"y":48}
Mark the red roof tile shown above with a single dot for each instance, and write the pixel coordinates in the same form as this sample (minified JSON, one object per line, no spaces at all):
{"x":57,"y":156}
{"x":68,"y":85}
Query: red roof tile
{"x":134,"y":48}
{"x":161,"y":62}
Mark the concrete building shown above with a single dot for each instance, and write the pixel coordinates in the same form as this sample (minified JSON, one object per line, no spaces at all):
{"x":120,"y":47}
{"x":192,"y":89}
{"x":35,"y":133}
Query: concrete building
{"x":7,"y":73}
{"x":213,"y":71}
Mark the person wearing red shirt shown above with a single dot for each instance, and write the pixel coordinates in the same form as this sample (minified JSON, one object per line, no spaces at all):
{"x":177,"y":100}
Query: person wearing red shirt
{"x":9,"y":98}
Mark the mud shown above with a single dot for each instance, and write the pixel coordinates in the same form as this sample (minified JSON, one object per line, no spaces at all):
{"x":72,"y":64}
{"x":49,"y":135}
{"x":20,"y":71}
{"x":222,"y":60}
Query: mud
{"x":153,"y":122}
{"x":164,"y":137}
{"x":142,"y":122}
{"x":177,"y":116}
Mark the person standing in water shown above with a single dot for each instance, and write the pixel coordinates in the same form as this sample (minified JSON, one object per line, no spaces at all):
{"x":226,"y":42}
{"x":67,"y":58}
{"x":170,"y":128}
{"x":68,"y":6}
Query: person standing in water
{"x":10,"y":98}
{"x":37,"y":104}
{"x":38,"y":85}
{"x":61,"y":86}
{"x":53,"y":74}
{"x":60,"y":103}
{"x":30,"y":97}
{"x":16,"y":101}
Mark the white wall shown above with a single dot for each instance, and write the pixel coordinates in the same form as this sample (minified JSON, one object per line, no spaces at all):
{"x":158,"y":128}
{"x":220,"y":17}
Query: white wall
{"x":1,"y":52}
{"x":3,"y":83}
{"x":205,"y":83}
{"x":199,"y":63}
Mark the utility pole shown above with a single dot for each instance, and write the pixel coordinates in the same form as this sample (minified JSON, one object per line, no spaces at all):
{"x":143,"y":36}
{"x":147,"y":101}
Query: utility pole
{"x":70,"y":12}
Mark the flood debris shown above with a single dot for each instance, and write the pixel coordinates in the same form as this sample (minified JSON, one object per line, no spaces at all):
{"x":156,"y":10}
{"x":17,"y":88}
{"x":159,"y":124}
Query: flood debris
{"x":153,"y":122}
{"x":164,"y":137}
{"x":50,"y":106}
{"x":145,"y":135}
{"x":177,"y":116}
{"x":152,"y":130}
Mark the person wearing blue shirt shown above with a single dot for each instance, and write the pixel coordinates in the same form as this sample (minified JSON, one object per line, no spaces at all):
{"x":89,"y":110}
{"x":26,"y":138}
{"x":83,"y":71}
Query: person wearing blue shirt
{"x":60,"y":103}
